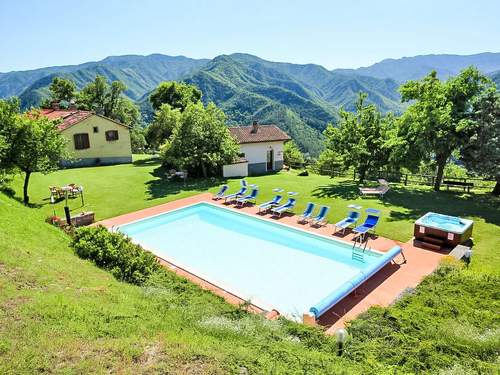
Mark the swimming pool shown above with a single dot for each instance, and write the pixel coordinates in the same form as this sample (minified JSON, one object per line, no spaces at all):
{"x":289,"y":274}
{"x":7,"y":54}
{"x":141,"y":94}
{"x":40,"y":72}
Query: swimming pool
{"x":272,"y":265}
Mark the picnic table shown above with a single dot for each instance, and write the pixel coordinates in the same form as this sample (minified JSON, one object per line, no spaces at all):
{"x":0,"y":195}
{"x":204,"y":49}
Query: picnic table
{"x":465,"y":185}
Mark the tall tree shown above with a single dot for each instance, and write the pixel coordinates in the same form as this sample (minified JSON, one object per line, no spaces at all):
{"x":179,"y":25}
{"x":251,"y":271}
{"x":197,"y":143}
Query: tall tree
{"x":9,"y":112}
{"x":62,"y":89}
{"x":177,"y":94}
{"x":108,"y":100}
{"x":38,"y":146}
{"x":439,"y":120}
{"x":292,"y":156}
{"x":201,"y":142}
{"x":166,"y":119}
{"x":481,"y":154}
{"x":362,"y":139}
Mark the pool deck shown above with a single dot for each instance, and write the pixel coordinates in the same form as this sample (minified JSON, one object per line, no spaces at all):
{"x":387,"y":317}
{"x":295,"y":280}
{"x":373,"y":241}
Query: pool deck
{"x":381,"y":289}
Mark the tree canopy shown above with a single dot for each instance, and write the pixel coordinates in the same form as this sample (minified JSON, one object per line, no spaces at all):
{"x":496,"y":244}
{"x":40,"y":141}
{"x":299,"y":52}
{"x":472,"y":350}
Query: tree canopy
{"x":177,"y":94}
{"x":166,"y":119}
{"x":35,"y":144}
{"x":292,"y":156}
{"x":439,"y":119}
{"x":481,"y":154}
{"x":200,"y":141}
{"x":62,"y":89}
{"x":361,"y":139}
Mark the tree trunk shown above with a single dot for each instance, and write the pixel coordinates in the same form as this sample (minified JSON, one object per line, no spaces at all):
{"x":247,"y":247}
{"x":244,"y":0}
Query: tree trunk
{"x":204,"y":170}
{"x":441,"y":163}
{"x":496,"y":189}
{"x":362,"y":174}
{"x":26,"y":198}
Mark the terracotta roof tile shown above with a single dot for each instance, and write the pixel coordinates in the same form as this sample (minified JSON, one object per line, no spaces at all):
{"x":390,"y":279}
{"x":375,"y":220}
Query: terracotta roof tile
{"x":265,"y":133}
{"x":68,"y":117}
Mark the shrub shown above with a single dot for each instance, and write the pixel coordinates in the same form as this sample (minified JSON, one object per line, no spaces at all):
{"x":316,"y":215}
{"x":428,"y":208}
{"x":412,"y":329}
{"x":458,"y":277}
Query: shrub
{"x":115,"y":252}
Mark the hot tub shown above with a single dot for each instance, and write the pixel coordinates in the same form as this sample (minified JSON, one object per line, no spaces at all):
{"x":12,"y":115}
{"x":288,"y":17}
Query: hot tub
{"x":451,"y":230}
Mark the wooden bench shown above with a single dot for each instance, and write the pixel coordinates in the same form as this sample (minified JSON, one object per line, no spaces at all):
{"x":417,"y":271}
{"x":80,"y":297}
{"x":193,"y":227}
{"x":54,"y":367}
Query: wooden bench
{"x":465,"y":185}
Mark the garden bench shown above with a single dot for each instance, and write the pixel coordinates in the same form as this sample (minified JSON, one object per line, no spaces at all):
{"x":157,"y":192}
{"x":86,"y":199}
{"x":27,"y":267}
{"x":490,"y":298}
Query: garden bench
{"x":465,"y":185}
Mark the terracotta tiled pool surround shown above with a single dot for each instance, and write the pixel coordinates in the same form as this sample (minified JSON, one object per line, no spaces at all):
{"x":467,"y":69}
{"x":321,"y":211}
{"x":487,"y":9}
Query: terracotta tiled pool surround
{"x":381,"y":289}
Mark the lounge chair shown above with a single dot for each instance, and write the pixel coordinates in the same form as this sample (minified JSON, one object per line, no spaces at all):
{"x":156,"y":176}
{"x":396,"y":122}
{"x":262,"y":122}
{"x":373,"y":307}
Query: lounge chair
{"x":306,"y":215}
{"x":284,"y":208}
{"x":370,"y":223}
{"x":250,"y":198}
{"x":351,"y":219}
{"x":270,"y":204}
{"x":320,"y":219}
{"x":380,"y":190}
{"x":238,"y":194}
{"x":221,"y":193}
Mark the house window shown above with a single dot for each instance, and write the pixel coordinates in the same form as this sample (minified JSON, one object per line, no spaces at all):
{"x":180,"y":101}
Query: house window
{"x":81,"y":141}
{"x":96,"y":129}
{"x":112,"y":135}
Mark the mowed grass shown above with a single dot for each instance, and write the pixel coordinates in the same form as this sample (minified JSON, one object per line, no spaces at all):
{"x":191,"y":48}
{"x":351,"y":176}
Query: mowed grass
{"x":60,"y":314}
{"x":114,"y":190}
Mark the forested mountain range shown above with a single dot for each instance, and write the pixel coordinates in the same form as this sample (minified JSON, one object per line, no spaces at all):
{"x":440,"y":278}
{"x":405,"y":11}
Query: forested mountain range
{"x":300,"y":98}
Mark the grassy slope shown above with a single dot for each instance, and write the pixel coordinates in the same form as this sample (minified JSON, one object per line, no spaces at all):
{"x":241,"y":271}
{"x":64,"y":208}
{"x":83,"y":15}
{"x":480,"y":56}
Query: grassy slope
{"x":111,"y":191}
{"x":61,"y":314}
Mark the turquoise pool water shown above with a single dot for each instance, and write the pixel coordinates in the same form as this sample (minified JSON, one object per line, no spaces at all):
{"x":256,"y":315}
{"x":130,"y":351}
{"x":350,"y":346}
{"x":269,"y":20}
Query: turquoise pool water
{"x":272,"y":265}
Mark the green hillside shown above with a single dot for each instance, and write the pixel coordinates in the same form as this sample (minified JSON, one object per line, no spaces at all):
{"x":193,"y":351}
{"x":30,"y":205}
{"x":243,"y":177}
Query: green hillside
{"x":300,"y":98}
{"x":141,"y":74}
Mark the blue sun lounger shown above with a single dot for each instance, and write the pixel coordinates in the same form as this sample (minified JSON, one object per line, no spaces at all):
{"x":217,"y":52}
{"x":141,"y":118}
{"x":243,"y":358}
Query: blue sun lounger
{"x":320,"y":219}
{"x":306,"y":215}
{"x":285,"y":207}
{"x":370,"y":223}
{"x":251,"y":198}
{"x":232,"y":197}
{"x":351,"y":219}
{"x":270,"y":204}
{"x":221,"y":192}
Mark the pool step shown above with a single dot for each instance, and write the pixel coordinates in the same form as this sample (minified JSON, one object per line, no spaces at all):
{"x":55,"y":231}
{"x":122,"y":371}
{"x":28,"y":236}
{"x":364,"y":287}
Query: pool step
{"x":430,"y":246}
{"x":433,"y":240}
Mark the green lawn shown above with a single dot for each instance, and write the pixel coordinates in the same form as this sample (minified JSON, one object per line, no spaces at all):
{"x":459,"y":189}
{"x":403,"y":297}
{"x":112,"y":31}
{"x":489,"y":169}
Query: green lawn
{"x":60,"y":314}
{"x":114,"y":190}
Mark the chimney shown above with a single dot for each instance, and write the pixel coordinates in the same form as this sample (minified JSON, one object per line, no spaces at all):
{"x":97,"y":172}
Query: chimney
{"x":255,"y":127}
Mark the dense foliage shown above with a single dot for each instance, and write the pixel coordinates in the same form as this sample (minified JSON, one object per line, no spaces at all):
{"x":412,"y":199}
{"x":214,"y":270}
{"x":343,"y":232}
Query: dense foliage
{"x":361,"y":140}
{"x":115,"y":253}
{"x":200,"y":141}
{"x":161,"y":128}
{"x":176,"y":94}
{"x":29,"y":142}
{"x":440,"y":118}
{"x":481,"y":154}
{"x":292,"y":156}
{"x":62,"y":89}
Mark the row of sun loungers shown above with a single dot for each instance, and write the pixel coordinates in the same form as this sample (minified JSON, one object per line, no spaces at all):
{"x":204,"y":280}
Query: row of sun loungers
{"x":320,"y":219}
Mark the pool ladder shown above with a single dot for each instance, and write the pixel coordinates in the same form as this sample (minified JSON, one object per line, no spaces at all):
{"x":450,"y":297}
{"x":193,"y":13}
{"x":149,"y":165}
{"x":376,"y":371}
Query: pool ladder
{"x":358,"y":252}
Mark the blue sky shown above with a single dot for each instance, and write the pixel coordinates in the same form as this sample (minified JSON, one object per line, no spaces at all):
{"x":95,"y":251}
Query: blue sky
{"x":336,"y":34}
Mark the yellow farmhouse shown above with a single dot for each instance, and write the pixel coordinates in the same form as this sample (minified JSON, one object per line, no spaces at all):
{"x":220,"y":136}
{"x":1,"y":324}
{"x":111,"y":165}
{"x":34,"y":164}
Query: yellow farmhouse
{"x":92,"y":139}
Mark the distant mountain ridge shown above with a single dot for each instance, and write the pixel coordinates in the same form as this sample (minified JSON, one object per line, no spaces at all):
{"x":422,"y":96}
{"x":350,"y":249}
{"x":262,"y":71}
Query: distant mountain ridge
{"x":300,"y":98}
{"x":416,"y":67}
